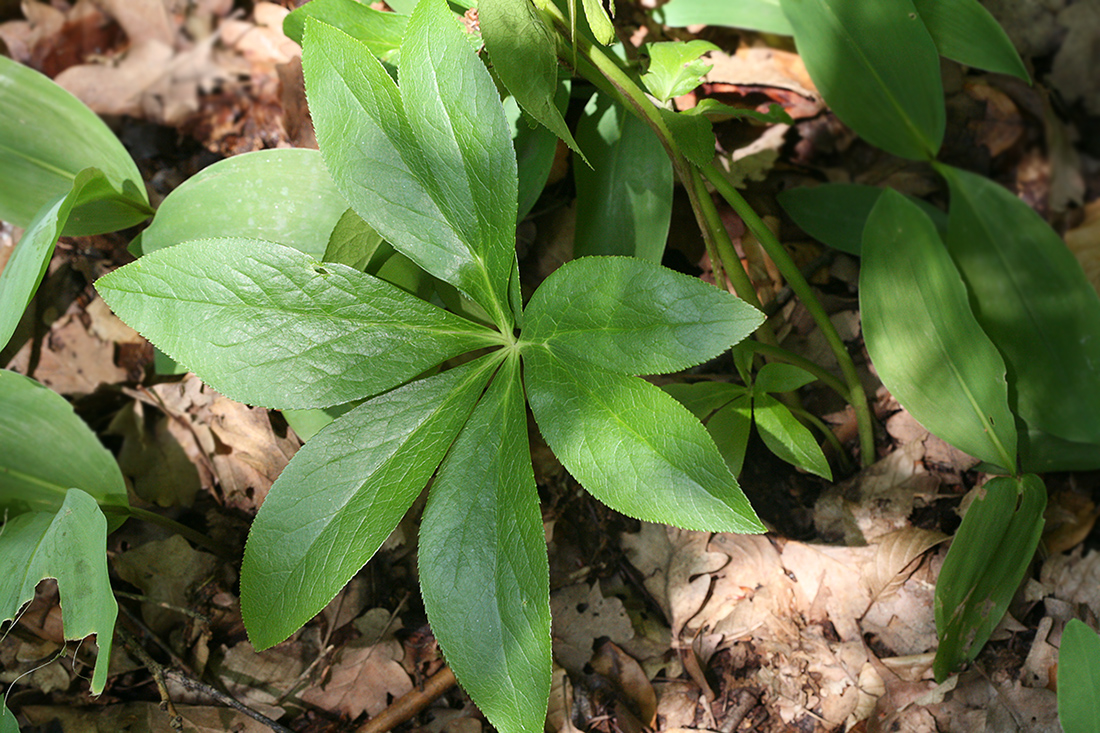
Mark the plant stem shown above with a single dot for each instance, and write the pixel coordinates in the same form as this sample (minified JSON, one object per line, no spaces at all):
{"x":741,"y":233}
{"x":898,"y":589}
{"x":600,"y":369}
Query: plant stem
{"x":787,"y":267}
{"x":170,"y":524}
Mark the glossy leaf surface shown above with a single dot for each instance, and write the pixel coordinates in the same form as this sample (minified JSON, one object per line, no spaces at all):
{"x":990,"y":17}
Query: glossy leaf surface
{"x":1079,"y":679}
{"x":1032,"y":298}
{"x":877,"y":68}
{"x":71,"y":546}
{"x":676,"y":68}
{"x":483,"y":566}
{"x":283,"y":196}
{"x":634,"y":317}
{"x":633,"y":447}
{"x":624,"y":200}
{"x":268,"y":325}
{"x":756,"y":15}
{"x":524,"y":55}
{"x":379,"y":31}
{"x":923,"y":338}
{"x":34,"y":474}
{"x":966,"y":32}
{"x":354,"y":243}
{"x":535,"y":147}
{"x":343,"y":493}
{"x":984,"y":567}
{"x":430,"y":165}
{"x":47,"y":136}
{"x":787,"y":438}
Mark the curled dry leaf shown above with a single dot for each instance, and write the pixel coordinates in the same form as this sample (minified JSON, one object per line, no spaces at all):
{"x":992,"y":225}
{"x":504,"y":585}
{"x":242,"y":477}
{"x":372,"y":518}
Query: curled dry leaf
{"x":894,"y":552}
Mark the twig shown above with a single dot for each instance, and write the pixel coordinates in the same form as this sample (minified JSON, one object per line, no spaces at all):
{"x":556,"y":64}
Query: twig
{"x":411,"y":703}
{"x":134,"y":647}
{"x":212,"y":692}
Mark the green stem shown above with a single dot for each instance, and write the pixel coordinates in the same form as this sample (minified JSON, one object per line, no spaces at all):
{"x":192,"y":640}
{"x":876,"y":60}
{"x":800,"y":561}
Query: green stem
{"x":170,"y":524}
{"x":787,"y":267}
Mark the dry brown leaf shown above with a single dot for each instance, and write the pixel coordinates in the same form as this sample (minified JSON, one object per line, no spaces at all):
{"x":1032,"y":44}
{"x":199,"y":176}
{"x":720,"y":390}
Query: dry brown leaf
{"x":166,"y":571}
{"x":690,"y":566}
{"x":649,"y":550}
{"x":152,"y":458}
{"x":362,"y":679}
{"x":1084,"y":242}
{"x":258,"y":680}
{"x":1002,"y":126}
{"x":1070,"y":517}
{"x":146,"y":20}
{"x":631,"y":682}
{"x":1074,"y":577}
{"x":581,"y":614}
{"x":141,"y":717}
{"x":893,"y":553}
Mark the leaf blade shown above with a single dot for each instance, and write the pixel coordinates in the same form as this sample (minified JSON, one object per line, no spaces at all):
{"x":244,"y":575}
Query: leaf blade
{"x":633,"y":447}
{"x":966,"y":32}
{"x":343,"y":493}
{"x":483,"y":567}
{"x":923,"y":338}
{"x":1079,"y":681}
{"x":266,"y":324}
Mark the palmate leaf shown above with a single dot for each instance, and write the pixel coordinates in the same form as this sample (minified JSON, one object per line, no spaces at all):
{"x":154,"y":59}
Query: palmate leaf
{"x":430,"y":165}
{"x":268,"y":325}
{"x":342,"y":495}
{"x":483,"y":567}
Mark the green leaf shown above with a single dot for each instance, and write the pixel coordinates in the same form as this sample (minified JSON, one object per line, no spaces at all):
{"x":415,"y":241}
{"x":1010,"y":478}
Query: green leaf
{"x":624,"y":201}
{"x":712,"y":108}
{"x":8,"y":723}
{"x":344,"y":492}
{"x":1079,"y":679}
{"x":309,"y":422}
{"x":429,"y":166}
{"x":34,"y":473}
{"x":788,"y":438}
{"x":730,"y":428}
{"x":598,"y":21}
{"x":1032,"y":298}
{"x":633,"y":446}
{"x":70,"y":546}
{"x":923,"y":338}
{"x":535,"y":148}
{"x":283,"y":196}
{"x":483,"y":568}
{"x":877,"y":68}
{"x":776,"y":377}
{"x":353,"y":243}
{"x":835,"y":213}
{"x":966,"y":32}
{"x":754,"y":15}
{"x":984,"y":567}
{"x":676,"y":68}
{"x":1042,"y":452}
{"x":694,"y":134}
{"x":267,"y":325}
{"x":379,"y":31}
{"x":47,"y":136}
{"x":633,"y":317}
{"x":524,"y":55}
{"x":703,"y":398}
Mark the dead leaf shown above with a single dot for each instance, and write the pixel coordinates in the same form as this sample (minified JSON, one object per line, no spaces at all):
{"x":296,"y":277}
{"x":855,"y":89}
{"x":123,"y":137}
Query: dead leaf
{"x":893,"y":553}
{"x":1084,"y":242}
{"x":166,"y":571}
{"x":141,"y":717}
{"x":362,"y":679}
{"x":581,"y":614}
{"x":630,"y":680}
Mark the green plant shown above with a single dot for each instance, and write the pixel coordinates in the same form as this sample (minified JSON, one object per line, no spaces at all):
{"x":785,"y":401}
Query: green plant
{"x":1079,"y":678}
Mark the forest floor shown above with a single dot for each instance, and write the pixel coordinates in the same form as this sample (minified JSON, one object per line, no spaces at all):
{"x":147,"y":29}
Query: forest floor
{"x":823,"y":624}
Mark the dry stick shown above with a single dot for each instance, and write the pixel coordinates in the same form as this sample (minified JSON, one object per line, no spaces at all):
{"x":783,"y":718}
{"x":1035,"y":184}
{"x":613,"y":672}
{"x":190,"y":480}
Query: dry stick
{"x":134,"y":647}
{"x":202,"y":688}
{"x":411,"y":703}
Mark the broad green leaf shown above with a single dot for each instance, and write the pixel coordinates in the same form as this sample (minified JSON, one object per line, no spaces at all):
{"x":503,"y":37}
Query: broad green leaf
{"x":598,"y":22}
{"x":834,"y":213}
{"x":694,"y":134}
{"x":676,"y":67}
{"x":984,"y":567}
{"x":71,"y":546}
{"x":283,"y":196}
{"x":730,"y":428}
{"x":429,"y":166}
{"x":633,"y":317}
{"x":343,"y":493}
{"x":1032,"y":298}
{"x":47,"y":136}
{"x":624,"y":201}
{"x":48,"y":450}
{"x":483,"y":568}
{"x":703,"y":398}
{"x":267,"y":325}
{"x":353,"y":243}
{"x":966,"y":32}
{"x":309,"y":422}
{"x":1042,"y":452}
{"x":379,"y":31}
{"x":632,"y":446}
{"x":923,"y":338}
{"x":877,"y":68}
{"x":788,"y":438}
{"x":712,"y":108}
{"x":1079,"y":679}
{"x":535,"y":148}
{"x":524,"y":55}
{"x":776,"y":377}
{"x":755,"y":15}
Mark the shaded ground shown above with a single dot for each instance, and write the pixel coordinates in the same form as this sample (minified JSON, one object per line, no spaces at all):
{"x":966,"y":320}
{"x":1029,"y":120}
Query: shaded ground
{"x":824,"y":624}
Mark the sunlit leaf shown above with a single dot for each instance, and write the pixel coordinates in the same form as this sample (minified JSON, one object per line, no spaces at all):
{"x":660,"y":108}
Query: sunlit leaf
{"x":756,"y":15}
{"x":675,"y":67}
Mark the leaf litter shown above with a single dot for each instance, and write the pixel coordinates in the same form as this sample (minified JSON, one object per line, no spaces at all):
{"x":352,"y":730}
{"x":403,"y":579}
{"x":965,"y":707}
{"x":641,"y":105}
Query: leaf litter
{"x":654,"y":627}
